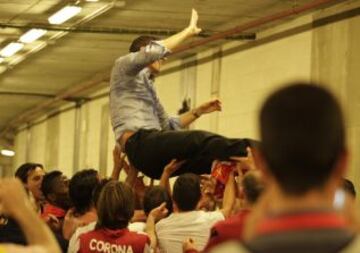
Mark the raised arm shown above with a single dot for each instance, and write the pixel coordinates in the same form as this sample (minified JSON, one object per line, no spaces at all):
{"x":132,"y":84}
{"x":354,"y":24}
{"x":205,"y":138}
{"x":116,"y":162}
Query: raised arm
{"x":229,"y":195}
{"x":156,"y":50}
{"x":154,"y":215}
{"x":175,"y":40}
{"x":18,"y":206}
{"x":119,"y":162}
{"x":189,"y":117}
{"x":169,"y":169}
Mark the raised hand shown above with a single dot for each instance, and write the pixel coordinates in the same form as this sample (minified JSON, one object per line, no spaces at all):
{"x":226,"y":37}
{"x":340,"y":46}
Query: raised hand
{"x":208,"y":107}
{"x":244,"y":164}
{"x":173,"y":166}
{"x":193,"y":29}
{"x":189,"y":245}
{"x":159,"y":212}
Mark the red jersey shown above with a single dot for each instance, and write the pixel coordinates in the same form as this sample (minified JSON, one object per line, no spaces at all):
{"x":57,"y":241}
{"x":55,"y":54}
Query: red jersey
{"x":113,"y":241}
{"x":229,"y":229}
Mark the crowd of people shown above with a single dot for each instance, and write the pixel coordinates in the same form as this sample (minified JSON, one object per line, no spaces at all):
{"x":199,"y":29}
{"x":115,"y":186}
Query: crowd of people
{"x":288,"y":195}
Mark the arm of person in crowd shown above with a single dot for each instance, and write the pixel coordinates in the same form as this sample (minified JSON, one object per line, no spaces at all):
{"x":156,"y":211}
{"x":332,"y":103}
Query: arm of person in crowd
{"x":169,"y":169}
{"x":18,"y":206}
{"x":188,"y":117}
{"x":189,"y":246}
{"x":154,"y":215}
{"x":159,"y":49}
{"x":229,"y":195}
{"x":132,"y":174}
{"x":119,"y":162}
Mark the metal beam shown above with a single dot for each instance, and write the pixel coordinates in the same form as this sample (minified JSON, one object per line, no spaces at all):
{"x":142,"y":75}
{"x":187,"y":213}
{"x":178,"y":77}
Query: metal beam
{"x":116,"y":30}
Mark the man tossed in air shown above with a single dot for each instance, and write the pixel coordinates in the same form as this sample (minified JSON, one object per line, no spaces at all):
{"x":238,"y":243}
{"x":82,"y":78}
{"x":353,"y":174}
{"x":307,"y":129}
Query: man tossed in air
{"x":142,"y":128}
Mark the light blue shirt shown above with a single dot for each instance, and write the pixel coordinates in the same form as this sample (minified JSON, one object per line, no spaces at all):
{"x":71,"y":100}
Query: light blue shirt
{"x":134,"y":103}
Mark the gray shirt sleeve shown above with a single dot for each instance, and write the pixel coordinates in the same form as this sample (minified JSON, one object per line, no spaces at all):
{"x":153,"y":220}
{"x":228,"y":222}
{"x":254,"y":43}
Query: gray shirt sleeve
{"x":133,"y":63}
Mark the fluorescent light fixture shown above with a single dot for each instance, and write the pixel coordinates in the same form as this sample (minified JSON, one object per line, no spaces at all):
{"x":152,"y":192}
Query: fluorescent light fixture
{"x":11,"y":49}
{"x":32,"y":35}
{"x":92,"y":1}
{"x":6,"y":152}
{"x":64,"y":14}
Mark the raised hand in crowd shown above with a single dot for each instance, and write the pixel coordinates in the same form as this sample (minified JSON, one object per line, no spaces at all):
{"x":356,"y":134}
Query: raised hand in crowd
{"x":155,"y":215}
{"x":119,"y":162}
{"x":169,"y":169}
{"x":15,"y":203}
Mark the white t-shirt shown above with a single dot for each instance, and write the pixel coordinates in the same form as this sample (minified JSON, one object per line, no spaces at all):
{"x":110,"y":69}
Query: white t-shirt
{"x":74,"y":240}
{"x":175,"y":229}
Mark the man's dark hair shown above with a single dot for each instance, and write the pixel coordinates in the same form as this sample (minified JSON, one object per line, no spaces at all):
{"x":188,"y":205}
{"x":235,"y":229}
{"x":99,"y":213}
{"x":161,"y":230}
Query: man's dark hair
{"x":98,"y":188}
{"x":47,"y":182}
{"x":154,"y":197}
{"x":115,"y":206}
{"x":186,"y":192}
{"x":81,"y":187}
{"x":349,"y":187}
{"x":303,"y":134}
{"x":141,"y":41}
{"x":252,"y":187}
{"x":24,"y":170}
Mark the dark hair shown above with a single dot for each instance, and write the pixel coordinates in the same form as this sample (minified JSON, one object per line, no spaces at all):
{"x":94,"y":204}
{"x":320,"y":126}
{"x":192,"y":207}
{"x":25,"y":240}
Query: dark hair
{"x":47,"y":182}
{"x":186,"y":192}
{"x":154,"y":197}
{"x":81,"y":187}
{"x":349,"y":187}
{"x":252,"y":187}
{"x":24,"y":170}
{"x":303,"y":134}
{"x":141,"y":41}
{"x":115,"y":206}
{"x":98,"y":188}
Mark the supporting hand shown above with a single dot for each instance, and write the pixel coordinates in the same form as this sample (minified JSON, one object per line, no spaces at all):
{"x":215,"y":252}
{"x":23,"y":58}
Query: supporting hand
{"x":189,"y":245}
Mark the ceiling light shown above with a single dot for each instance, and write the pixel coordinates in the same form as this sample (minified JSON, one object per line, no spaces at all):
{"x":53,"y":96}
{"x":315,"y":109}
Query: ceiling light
{"x":32,"y":35}
{"x":6,"y":152}
{"x":92,"y":0}
{"x":64,"y":14}
{"x":11,"y":49}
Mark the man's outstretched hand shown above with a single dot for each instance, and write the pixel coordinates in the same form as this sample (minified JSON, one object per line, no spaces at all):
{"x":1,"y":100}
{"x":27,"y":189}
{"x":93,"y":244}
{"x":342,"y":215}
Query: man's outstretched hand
{"x":208,"y":107}
{"x":193,"y":29}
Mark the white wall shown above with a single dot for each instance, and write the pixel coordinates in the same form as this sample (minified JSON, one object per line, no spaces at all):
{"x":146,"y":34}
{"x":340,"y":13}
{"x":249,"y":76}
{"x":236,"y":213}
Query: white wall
{"x":241,"y":80}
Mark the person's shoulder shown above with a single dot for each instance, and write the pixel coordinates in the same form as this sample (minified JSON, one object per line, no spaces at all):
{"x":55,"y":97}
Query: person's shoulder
{"x":213,"y":215}
{"x":139,"y":237}
{"x":166,"y":220}
{"x":89,"y":234}
{"x":86,"y":228}
{"x":235,"y":220}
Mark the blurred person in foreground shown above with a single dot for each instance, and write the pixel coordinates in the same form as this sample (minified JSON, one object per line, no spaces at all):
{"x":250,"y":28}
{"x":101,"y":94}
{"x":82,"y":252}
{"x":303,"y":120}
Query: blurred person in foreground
{"x":17,"y":205}
{"x":303,"y":158}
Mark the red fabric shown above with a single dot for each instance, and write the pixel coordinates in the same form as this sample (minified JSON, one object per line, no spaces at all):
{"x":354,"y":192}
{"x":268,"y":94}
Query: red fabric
{"x":228,"y":229}
{"x":317,"y":220}
{"x":53,"y":210}
{"x":106,"y":240}
{"x":187,"y":251}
